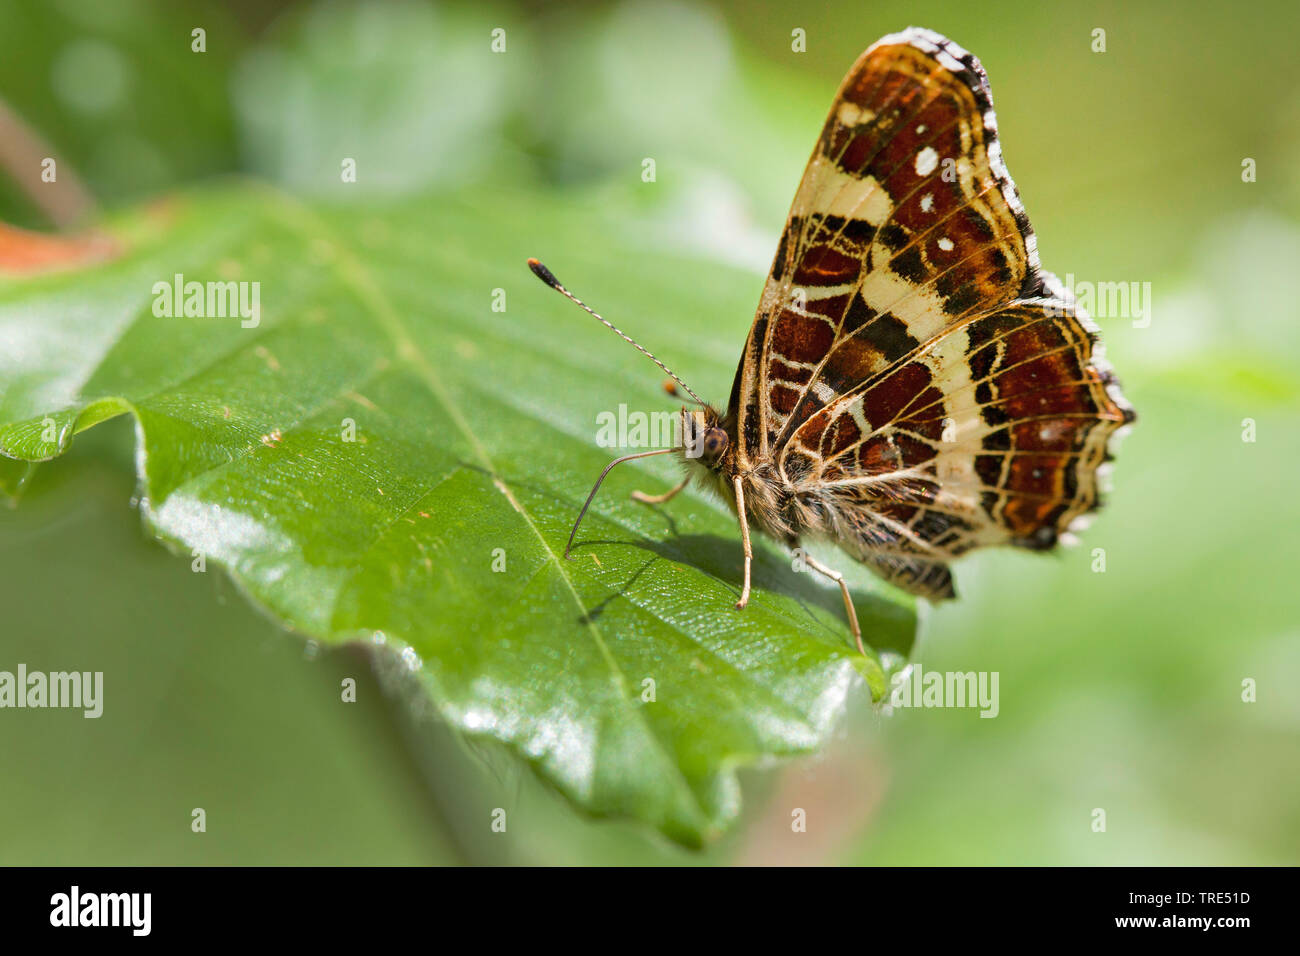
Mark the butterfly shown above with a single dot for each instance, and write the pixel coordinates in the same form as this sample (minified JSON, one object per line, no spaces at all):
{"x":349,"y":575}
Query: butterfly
{"x":914,"y":384}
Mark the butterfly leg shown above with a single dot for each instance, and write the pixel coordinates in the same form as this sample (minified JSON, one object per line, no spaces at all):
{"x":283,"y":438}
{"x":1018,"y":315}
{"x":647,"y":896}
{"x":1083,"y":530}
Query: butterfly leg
{"x":660,"y":499}
{"x":844,"y":589}
{"x":744,"y":537}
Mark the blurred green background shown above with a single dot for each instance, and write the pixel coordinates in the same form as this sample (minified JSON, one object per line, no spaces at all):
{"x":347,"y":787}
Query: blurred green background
{"x":1119,"y":690}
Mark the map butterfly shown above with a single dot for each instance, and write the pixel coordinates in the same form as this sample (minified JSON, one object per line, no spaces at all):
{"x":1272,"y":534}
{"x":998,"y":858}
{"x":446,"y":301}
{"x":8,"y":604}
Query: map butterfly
{"x":914,"y":385}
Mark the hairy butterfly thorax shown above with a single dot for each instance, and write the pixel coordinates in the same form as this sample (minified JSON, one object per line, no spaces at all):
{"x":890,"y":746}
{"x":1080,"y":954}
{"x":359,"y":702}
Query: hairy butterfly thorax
{"x":915,"y":384}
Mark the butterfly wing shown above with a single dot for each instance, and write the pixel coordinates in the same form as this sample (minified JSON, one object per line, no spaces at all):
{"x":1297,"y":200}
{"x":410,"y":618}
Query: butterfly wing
{"x":906,"y":332}
{"x":991,"y":433}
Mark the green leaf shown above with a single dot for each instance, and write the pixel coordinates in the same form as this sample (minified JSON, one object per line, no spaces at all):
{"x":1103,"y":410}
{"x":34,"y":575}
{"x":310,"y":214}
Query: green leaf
{"x":474,"y":445}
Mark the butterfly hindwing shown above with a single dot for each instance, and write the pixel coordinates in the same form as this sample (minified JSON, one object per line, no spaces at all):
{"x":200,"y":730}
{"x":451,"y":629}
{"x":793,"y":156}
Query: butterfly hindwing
{"x":992,"y":434}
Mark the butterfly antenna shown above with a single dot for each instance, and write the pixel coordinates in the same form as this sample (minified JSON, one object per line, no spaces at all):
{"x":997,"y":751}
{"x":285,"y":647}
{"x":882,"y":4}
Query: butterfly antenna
{"x":547,"y":276}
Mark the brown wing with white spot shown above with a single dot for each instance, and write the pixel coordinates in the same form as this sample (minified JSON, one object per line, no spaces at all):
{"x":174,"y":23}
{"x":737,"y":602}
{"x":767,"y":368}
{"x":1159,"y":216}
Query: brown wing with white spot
{"x":903,"y":223}
{"x":911,"y":369}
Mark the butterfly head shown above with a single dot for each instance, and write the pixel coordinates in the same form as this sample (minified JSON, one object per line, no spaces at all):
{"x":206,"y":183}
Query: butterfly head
{"x":704,"y":439}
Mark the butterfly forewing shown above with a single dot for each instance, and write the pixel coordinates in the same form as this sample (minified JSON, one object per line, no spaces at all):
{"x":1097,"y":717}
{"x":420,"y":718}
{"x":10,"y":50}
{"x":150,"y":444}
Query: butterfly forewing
{"x":910,"y":367}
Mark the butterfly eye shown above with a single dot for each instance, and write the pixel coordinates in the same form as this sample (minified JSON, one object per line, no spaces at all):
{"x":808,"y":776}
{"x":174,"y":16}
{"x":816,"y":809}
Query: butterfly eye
{"x":715,"y":442}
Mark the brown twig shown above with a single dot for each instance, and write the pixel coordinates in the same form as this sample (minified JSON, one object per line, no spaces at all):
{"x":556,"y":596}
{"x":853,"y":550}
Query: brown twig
{"x":66,"y":202}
